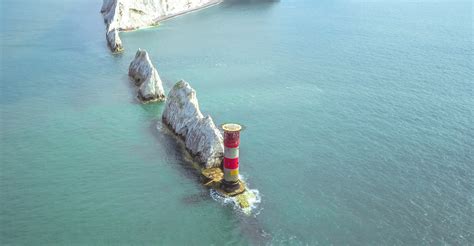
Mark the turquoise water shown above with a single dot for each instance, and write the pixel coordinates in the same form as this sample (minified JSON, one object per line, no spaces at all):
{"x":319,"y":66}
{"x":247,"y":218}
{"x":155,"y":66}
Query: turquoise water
{"x":358,"y":116}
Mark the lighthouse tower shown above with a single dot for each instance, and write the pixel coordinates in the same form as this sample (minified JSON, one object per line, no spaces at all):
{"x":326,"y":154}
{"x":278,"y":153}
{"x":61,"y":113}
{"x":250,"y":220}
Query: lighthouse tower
{"x":231,"y":157}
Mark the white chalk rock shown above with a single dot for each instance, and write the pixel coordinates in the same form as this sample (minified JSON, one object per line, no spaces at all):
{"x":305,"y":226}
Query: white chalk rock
{"x":146,"y":78}
{"x":122,"y":15}
{"x":201,"y":136}
{"x":133,"y":14}
{"x":114,"y":41}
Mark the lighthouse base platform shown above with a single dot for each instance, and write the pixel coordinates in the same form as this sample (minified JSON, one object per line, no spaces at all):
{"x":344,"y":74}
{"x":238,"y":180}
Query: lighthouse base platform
{"x":214,"y":178}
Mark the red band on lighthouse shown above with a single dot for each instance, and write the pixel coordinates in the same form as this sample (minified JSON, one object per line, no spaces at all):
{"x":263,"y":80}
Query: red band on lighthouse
{"x":231,"y":163}
{"x":231,"y":139}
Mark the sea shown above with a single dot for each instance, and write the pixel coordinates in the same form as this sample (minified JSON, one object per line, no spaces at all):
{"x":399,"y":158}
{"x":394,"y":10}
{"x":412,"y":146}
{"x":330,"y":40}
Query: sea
{"x":357,"y":114}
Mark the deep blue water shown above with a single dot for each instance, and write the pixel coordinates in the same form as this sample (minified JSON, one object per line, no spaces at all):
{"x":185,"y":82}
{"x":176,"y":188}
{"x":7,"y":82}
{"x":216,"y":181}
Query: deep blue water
{"x":358,"y":116}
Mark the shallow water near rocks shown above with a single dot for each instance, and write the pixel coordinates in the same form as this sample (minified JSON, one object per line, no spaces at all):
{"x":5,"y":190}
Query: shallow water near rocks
{"x":358,"y":115}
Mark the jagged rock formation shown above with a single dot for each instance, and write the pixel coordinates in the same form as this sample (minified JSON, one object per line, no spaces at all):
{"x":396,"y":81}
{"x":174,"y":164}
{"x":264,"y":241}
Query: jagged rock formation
{"x":114,"y":41}
{"x":145,"y":76}
{"x":201,"y":136}
{"x":123,"y":15}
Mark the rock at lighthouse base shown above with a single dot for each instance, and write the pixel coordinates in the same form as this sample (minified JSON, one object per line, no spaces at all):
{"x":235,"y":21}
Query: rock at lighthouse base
{"x":146,"y":78}
{"x":204,"y":141}
{"x":201,"y":136}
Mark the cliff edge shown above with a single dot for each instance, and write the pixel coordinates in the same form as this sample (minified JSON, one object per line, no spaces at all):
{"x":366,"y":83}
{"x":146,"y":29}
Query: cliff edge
{"x":125,"y":15}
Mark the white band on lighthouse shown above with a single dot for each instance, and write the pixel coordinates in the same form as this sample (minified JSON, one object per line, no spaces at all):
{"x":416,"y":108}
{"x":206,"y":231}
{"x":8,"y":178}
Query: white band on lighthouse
{"x":231,"y":153}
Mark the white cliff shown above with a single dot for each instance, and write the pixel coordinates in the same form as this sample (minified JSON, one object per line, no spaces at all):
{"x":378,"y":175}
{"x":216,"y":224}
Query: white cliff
{"x":146,"y":78}
{"x":201,"y":136}
{"x":123,"y":15}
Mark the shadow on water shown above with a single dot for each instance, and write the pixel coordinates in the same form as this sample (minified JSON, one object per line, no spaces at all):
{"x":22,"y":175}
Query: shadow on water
{"x":175,"y":147}
{"x":197,"y":198}
{"x":248,"y":225}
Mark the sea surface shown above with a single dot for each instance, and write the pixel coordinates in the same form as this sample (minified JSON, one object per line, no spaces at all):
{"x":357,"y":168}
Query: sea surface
{"x":358,"y":123}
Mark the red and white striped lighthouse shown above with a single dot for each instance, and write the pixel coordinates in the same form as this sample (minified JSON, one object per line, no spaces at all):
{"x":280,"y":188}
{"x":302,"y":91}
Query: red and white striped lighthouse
{"x":231,"y":157}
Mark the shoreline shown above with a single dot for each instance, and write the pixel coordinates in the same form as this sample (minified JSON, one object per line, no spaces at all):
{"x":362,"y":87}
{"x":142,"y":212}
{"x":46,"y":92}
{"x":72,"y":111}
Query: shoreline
{"x":112,"y":15}
{"x":207,"y":5}
{"x":168,"y":17}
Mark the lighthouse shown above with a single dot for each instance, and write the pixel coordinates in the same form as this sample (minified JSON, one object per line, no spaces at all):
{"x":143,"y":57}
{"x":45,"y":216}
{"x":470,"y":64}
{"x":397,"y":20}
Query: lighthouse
{"x":231,"y":157}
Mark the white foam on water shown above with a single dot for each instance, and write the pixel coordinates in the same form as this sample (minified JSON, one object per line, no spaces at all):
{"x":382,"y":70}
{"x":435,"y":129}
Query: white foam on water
{"x":253,"y":198}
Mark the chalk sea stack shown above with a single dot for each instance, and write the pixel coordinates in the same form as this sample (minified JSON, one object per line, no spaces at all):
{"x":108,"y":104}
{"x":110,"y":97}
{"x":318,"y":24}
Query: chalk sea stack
{"x":146,"y":78}
{"x":109,"y":10}
{"x":126,"y":15}
{"x":201,"y":136}
{"x":113,"y":40}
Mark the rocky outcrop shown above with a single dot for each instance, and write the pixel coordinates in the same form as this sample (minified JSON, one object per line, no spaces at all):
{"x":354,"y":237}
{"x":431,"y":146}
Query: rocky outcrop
{"x":114,"y":42}
{"x":146,"y":78}
{"x":109,"y":10}
{"x":201,"y":136}
{"x":123,"y":15}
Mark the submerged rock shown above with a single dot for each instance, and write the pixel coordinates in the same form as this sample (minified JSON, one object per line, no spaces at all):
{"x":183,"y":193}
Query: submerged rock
{"x":123,"y":15}
{"x":201,"y":136}
{"x":146,"y":78}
